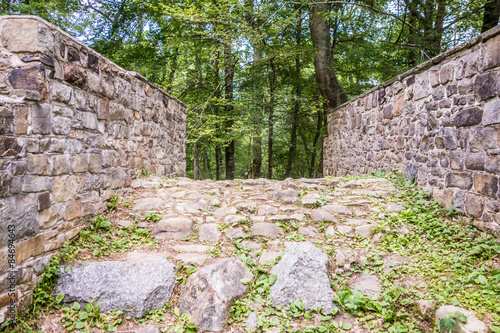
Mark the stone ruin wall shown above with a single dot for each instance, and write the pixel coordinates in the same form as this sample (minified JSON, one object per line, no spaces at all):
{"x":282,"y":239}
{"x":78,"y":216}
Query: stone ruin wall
{"x":439,"y":122}
{"x":74,"y":129}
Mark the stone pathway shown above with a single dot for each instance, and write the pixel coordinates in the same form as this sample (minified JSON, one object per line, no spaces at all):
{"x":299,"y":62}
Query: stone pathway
{"x":319,"y":222}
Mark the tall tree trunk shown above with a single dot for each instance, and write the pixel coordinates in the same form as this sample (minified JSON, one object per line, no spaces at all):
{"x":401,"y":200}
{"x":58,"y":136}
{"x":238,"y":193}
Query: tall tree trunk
{"x":139,"y":38}
{"x":196,"y":162}
{"x":206,"y":164}
{"x":412,"y":36}
{"x":436,"y":35}
{"x":491,"y":14}
{"x":326,"y":78}
{"x":298,"y":97}
{"x":173,"y":69}
{"x":218,"y":149}
{"x":218,"y":161}
{"x":319,"y":124}
{"x":228,"y":95}
{"x":272,"y":83}
{"x":257,"y":77}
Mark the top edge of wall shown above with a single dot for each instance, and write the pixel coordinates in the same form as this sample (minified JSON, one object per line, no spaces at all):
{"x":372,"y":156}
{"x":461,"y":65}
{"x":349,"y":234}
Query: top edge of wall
{"x":59,"y":30}
{"x":428,"y":64}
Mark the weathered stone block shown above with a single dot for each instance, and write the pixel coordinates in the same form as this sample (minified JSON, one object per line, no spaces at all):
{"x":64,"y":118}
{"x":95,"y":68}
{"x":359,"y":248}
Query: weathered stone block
{"x":41,"y":118}
{"x":95,"y":163}
{"x":81,"y":99}
{"x":491,"y":53}
{"x":450,"y":138}
{"x":93,"y":62}
{"x":37,"y":164}
{"x":75,"y":75}
{"x":485,"y":86}
{"x":29,"y":248}
{"x":102,"y":109}
{"x":43,"y":200}
{"x":451,"y":90}
{"x":107,"y":87}
{"x":93,"y":82}
{"x":462,"y":180}
{"x":20,"y":118}
{"x":483,"y":138}
{"x":88,"y":119}
{"x":80,"y":163}
{"x":388,"y":111}
{"x":491,"y":112}
{"x":22,"y":212}
{"x":73,"y":210}
{"x":6,"y":122}
{"x":421,"y":88}
{"x":474,"y":204}
{"x":20,"y":35}
{"x":61,"y":125}
{"x":475,"y":161}
{"x":434,"y":78}
{"x":28,"y":78}
{"x":493,"y":164}
{"x":447,"y":73}
{"x":116,"y":111}
{"x":65,"y":188}
{"x":61,"y":92}
{"x":486,"y":184}
{"x":468,"y":117}
{"x":438,"y":93}
{"x":58,"y":165}
{"x":72,"y":54}
{"x":36,"y":184}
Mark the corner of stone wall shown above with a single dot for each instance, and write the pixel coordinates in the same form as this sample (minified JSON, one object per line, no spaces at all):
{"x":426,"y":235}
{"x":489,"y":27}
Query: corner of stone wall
{"x":74,"y":129}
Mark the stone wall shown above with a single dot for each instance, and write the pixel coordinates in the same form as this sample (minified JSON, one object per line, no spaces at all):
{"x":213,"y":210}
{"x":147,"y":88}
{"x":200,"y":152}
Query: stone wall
{"x":74,"y":129}
{"x":438,"y":123}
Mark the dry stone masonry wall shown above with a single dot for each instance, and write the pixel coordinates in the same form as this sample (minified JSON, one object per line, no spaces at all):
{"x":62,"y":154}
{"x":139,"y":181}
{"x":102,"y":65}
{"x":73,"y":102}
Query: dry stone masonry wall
{"x":439,"y":123}
{"x":74,"y":129}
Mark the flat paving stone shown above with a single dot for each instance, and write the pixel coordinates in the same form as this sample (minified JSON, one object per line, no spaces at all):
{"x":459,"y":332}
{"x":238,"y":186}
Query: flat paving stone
{"x":251,"y":245}
{"x":309,"y":231}
{"x":367,"y":284}
{"x":267,"y":230}
{"x":148,"y":204}
{"x":365,"y":230}
{"x":195,"y":259}
{"x":233,"y":233}
{"x":174,"y":228}
{"x":191,"y":248}
{"x":337,"y":209}
{"x":223,"y":211}
{"x":321,"y":215}
{"x":209,"y":232}
{"x":246,"y":207}
{"x":230,"y":219}
{"x":267,"y":210}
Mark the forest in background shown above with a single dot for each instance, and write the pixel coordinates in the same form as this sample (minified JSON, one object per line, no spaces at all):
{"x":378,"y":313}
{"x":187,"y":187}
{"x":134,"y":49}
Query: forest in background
{"x":258,"y":76}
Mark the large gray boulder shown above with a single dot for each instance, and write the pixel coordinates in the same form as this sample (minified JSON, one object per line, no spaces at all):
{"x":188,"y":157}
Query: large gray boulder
{"x":302,"y":273}
{"x":173,"y":228}
{"x":210,"y":292}
{"x":132,"y":287}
